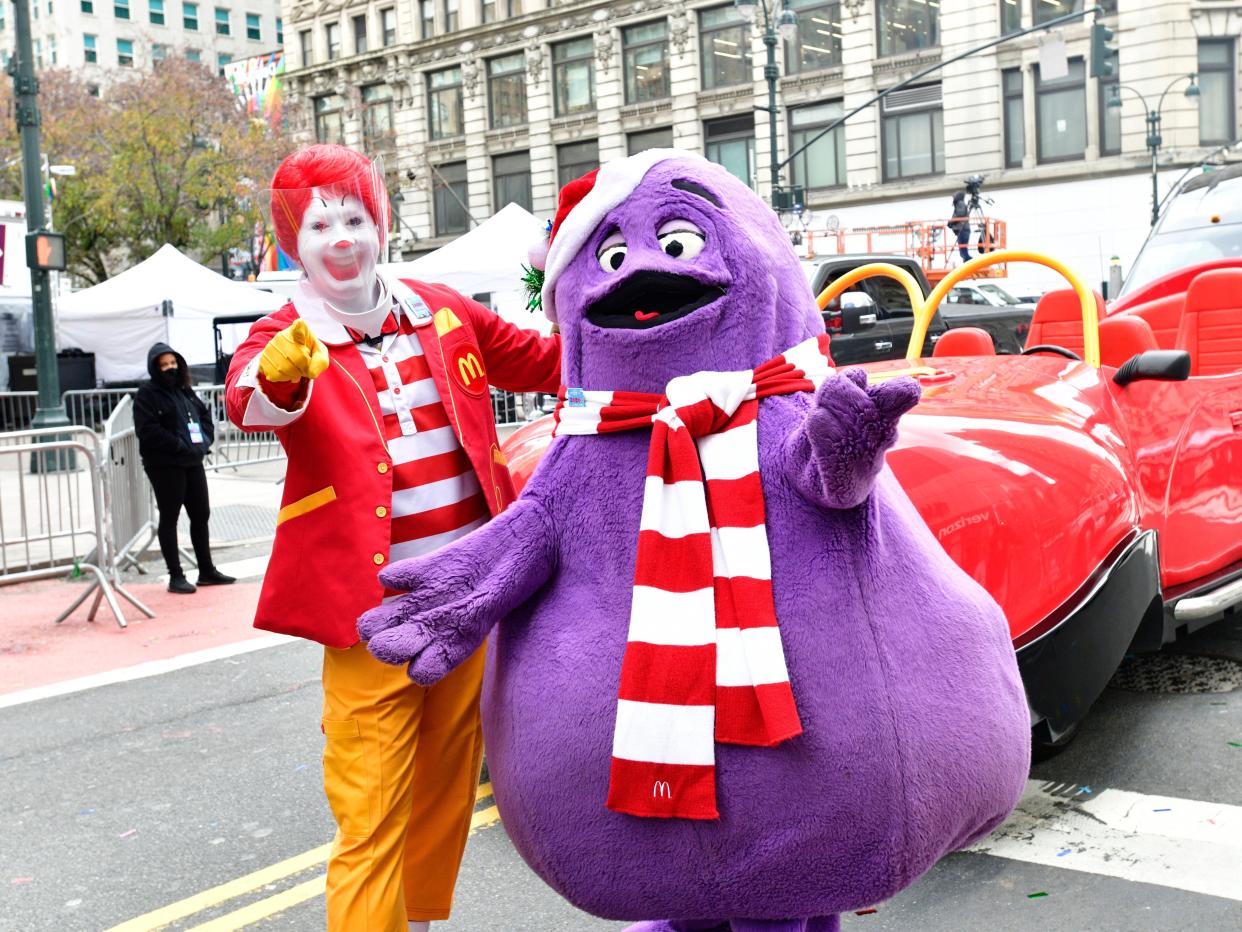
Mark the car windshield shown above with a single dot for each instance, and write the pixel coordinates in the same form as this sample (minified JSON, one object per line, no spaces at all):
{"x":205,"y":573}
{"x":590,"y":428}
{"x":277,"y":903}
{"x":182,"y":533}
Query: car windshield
{"x":996,"y":291}
{"x":1165,"y":253}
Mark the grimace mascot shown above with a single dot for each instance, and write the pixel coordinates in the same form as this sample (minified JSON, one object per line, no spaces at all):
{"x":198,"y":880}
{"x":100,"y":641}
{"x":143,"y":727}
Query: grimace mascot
{"x":736,"y":683}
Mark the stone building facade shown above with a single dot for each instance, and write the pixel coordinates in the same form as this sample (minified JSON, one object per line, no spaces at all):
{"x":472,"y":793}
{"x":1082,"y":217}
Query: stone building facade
{"x":478,"y":102}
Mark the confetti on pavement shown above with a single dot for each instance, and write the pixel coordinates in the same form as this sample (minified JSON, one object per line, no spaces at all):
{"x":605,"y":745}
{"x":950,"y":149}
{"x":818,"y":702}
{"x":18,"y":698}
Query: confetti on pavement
{"x":132,"y":831}
{"x":1036,"y":896}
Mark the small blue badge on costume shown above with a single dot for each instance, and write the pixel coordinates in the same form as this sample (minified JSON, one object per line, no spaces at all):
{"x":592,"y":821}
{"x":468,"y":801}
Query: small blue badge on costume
{"x":416,"y":309}
{"x":575,"y":398}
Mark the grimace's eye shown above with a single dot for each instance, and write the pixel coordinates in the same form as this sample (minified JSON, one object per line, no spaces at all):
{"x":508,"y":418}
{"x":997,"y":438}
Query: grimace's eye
{"x":681,"y":239}
{"x":611,"y":255}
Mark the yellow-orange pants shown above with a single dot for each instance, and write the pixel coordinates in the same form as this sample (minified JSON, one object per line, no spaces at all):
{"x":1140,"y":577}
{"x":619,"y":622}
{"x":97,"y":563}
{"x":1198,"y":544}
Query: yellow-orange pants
{"x":401,"y":769}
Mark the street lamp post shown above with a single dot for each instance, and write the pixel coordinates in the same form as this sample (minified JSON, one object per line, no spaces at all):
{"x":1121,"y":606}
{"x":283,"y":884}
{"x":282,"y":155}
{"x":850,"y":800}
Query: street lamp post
{"x":1154,"y":140}
{"x":786,"y":26}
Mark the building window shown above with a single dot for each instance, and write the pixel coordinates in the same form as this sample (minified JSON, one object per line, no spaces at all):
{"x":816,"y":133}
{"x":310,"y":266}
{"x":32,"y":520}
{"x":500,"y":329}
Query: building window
{"x":332,"y":38}
{"x":645,"y":61}
{"x":1110,"y":117}
{"x":125,"y":53}
{"x":89,"y":52}
{"x":377,"y":129}
{"x":818,"y":44}
{"x":120,"y":9}
{"x":254,"y":28}
{"x":511,"y":180}
{"x":88,"y":7}
{"x":280,"y":31}
{"x":1044,"y":10}
{"x":222,"y":59}
{"x":450,"y":15}
{"x":506,"y":89}
{"x":306,"y":43}
{"x":189,"y":16}
{"x":360,"y":34}
{"x":51,"y":50}
{"x":906,"y":25}
{"x":222,"y":22}
{"x":913,"y":132}
{"x":488,"y":11}
{"x":1061,"y":115}
{"x":1217,"y":122}
{"x":822,"y":165}
{"x":193,"y":55}
{"x":159,"y":52}
{"x":573,"y":76}
{"x":155,"y":9}
{"x":731,"y":142}
{"x":724,"y":41}
{"x":450,"y":197}
{"x":329,"y":124}
{"x":1015,"y":126}
{"x":427,"y":19}
{"x":388,"y":25}
{"x":38,"y":54}
{"x":649,"y":139}
{"x":444,"y":105}
{"x":575,"y":159}
{"x":1011,"y":15}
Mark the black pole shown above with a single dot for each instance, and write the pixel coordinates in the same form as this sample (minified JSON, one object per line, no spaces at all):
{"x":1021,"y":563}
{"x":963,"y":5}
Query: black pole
{"x":931,"y":70}
{"x":771,"y":74}
{"x":1153,"y":143}
{"x":49,"y":410}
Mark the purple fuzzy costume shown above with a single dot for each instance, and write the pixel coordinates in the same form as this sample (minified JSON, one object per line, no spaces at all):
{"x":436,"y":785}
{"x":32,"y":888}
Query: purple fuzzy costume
{"x":915,"y":727}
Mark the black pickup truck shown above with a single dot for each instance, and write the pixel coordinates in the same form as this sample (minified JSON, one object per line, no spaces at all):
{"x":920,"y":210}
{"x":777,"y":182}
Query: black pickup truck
{"x":874,"y":319}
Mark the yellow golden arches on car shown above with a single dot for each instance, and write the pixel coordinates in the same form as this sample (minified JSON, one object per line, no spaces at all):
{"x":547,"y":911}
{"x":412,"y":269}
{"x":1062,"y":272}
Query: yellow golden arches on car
{"x":1090,"y":320}
{"x":878,"y":269}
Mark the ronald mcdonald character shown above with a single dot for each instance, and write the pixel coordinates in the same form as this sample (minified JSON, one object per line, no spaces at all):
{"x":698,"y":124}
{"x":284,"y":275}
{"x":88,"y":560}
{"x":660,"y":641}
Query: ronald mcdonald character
{"x":736,"y":683}
{"x":378,"y":391}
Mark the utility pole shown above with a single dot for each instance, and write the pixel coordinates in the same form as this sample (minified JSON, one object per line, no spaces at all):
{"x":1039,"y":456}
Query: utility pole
{"x":49,"y":411}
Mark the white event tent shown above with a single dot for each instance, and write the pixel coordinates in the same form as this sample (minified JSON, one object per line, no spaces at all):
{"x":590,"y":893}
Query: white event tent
{"x":168,"y":297}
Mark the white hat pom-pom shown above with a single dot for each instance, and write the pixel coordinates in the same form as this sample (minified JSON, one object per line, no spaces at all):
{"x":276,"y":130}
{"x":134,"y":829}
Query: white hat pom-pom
{"x":537,"y":254}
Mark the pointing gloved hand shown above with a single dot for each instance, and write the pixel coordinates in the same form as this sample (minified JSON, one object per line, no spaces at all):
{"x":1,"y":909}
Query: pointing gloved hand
{"x":293,"y":354}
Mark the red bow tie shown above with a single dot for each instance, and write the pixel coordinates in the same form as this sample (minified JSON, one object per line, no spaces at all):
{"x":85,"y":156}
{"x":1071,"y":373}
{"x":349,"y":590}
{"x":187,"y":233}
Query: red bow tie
{"x":390,"y":326}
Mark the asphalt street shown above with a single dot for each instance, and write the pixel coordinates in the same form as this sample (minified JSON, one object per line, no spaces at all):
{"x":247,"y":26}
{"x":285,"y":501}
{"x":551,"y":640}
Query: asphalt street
{"x":198,"y":792}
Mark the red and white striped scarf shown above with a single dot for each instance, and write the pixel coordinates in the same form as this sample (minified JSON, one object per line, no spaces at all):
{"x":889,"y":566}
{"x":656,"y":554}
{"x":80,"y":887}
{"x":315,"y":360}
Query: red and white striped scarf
{"x":704,"y":660}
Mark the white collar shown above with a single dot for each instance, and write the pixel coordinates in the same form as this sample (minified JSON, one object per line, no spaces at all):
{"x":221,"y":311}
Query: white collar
{"x":328,"y":323}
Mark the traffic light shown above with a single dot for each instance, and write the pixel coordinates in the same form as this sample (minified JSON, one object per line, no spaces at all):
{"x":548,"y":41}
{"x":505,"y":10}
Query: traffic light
{"x":1103,"y":55}
{"x":45,"y":250}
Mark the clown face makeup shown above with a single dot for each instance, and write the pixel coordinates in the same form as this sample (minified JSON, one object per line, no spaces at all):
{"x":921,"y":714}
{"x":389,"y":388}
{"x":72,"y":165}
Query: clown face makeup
{"x":338,"y":245}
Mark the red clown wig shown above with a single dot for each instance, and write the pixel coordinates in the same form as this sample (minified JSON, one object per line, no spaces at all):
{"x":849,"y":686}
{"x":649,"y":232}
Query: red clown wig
{"x":335,"y":169}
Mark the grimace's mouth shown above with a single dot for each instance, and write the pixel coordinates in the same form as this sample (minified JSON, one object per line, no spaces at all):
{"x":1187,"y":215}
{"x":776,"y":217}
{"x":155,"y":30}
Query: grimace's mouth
{"x":649,"y":299}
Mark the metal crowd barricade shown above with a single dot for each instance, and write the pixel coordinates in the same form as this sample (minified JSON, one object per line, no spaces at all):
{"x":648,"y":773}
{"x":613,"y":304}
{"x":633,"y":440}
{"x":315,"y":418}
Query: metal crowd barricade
{"x":130,"y":497}
{"x":17,"y":410}
{"x":54,"y":517}
{"x":93,"y":406}
{"x":234,"y":447}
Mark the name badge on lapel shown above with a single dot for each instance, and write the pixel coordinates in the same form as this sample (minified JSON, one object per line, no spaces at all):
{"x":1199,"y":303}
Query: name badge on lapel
{"x":418,"y":312}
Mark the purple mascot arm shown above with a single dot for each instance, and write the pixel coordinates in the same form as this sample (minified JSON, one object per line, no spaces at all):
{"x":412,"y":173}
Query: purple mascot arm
{"x":458,"y":593}
{"x":835,"y":456}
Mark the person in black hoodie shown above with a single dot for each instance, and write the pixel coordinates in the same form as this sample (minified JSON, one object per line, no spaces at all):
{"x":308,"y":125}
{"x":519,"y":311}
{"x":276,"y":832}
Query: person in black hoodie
{"x":175,"y":432}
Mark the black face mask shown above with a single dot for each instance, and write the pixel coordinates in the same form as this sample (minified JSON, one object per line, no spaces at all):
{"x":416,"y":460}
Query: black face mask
{"x":170,"y":377}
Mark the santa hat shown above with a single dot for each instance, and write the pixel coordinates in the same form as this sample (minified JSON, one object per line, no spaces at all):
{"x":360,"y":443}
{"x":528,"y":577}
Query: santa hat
{"x":583,"y":204}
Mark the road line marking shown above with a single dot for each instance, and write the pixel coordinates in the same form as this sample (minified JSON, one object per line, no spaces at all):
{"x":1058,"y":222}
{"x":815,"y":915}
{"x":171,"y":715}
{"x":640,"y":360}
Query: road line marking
{"x":1186,"y":844}
{"x":144,"y":670}
{"x":226,"y":891}
{"x":264,"y":876}
{"x":484,"y":817}
{"x":263,"y":909}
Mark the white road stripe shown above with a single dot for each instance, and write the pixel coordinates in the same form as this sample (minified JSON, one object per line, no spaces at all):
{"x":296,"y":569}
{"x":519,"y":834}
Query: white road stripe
{"x":143,"y":670}
{"x":1181,"y":843}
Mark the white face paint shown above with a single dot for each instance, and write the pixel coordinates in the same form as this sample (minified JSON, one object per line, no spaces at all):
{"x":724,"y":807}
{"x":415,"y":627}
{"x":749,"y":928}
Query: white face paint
{"x":338,"y":245}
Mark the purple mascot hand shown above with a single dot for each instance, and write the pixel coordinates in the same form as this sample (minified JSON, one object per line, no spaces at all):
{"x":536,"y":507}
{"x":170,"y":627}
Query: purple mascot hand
{"x":456,"y":594}
{"x":837,"y":454}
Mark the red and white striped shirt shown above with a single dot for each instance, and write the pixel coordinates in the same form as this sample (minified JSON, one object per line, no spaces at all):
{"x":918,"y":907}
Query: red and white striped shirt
{"x":436,"y":496}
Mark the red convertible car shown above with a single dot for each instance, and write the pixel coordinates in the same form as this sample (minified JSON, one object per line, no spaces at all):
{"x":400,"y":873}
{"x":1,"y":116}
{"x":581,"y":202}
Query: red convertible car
{"x":1093,"y":484}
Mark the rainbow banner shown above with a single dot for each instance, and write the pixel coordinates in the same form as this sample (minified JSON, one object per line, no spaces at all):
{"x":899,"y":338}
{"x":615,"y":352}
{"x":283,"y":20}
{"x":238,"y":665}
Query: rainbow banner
{"x":256,"y":82}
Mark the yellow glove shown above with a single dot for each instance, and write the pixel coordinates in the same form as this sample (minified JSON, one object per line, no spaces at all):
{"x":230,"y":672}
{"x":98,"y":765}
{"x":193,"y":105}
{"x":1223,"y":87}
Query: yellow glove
{"x":293,"y":354}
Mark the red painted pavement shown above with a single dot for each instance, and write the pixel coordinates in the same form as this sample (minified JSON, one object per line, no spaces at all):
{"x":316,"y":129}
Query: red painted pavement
{"x":36,"y":652}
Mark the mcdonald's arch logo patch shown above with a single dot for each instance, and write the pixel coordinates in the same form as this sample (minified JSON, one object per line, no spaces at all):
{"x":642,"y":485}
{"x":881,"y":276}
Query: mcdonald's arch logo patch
{"x":466,"y":366}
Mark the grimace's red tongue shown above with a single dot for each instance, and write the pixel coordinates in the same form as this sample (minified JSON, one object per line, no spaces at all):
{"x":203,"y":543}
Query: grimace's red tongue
{"x":644,"y":315}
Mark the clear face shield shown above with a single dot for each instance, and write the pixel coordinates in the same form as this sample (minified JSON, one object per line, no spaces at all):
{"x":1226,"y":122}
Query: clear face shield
{"x":341,"y":232}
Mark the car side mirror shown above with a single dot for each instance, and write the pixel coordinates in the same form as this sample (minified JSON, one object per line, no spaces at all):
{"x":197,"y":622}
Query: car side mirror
{"x":1155,"y":365}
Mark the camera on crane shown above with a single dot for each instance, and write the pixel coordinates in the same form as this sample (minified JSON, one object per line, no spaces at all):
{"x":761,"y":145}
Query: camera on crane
{"x":974,"y":184}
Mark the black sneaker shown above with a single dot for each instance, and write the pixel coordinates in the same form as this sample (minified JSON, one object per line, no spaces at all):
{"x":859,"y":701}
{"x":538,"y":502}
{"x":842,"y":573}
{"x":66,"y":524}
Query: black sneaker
{"x":213,"y":577}
{"x":180,"y":584}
